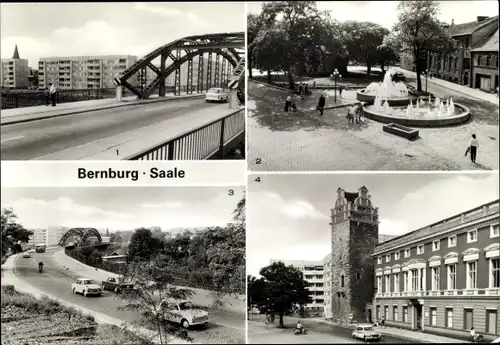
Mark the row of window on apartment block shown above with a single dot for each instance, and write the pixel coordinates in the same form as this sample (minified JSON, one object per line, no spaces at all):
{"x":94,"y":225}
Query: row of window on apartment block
{"x":40,"y":63}
{"x":436,"y":244}
{"x":447,"y":319}
{"x":415,"y":279}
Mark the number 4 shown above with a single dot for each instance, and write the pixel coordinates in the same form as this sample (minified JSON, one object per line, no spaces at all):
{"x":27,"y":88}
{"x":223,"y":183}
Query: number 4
{"x":257,"y":179}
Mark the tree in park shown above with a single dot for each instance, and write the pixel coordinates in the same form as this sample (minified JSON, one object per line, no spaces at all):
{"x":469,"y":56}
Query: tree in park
{"x":154,"y":282}
{"x":288,"y":38}
{"x":417,"y":31}
{"x":143,"y":246}
{"x":363,"y":38}
{"x":115,"y":237}
{"x":386,"y":56}
{"x":279,"y":290}
{"x":12,"y":232}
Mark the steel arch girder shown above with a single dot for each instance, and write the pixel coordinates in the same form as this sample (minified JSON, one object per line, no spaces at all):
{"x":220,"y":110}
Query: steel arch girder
{"x":172,"y":67}
{"x":83,"y":233}
{"x":221,"y":40}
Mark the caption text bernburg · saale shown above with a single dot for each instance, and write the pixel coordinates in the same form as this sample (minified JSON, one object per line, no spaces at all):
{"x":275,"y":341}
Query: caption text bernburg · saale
{"x":133,"y":175}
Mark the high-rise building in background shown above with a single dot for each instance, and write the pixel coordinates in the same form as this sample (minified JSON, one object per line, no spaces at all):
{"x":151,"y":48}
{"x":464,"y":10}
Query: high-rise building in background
{"x":54,"y":234}
{"x":349,"y":267}
{"x":15,"y":72}
{"x":312,"y":272}
{"x":39,"y":236}
{"x":83,"y":72}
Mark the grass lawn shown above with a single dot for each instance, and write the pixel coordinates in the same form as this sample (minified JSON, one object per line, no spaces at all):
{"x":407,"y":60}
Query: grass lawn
{"x":27,"y":320}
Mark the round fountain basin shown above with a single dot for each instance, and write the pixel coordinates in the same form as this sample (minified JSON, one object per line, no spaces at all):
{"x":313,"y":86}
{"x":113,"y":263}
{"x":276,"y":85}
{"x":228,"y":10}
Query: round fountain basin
{"x":394,"y":101}
{"x":420,"y":116}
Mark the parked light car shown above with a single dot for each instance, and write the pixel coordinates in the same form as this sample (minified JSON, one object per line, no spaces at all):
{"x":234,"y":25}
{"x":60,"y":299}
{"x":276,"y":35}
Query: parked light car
{"x":86,"y":287}
{"x":26,"y":255}
{"x":217,"y":94}
{"x":182,"y":312}
{"x":497,"y":340}
{"x":365,"y":332}
{"x":115,"y":284}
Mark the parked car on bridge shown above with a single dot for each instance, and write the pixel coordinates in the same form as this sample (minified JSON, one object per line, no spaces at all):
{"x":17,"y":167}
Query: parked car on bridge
{"x":26,"y":255}
{"x":366,"y":332}
{"x":217,"y":94}
{"x":182,"y":312}
{"x":115,"y":284}
{"x":86,"y":287}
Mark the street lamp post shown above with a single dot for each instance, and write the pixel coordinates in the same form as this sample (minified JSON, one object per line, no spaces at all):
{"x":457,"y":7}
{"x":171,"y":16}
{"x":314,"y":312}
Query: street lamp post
{"x":375,"y":305}
{"x":426,"y":72}
{"x":336,"y":75}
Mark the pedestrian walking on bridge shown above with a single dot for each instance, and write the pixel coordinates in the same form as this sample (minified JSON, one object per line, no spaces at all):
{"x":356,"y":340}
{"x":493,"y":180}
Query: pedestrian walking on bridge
{"x":53,"y":94}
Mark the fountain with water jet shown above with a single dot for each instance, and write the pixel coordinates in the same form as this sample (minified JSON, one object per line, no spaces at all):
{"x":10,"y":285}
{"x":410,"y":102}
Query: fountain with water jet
{"x":395,"y":93}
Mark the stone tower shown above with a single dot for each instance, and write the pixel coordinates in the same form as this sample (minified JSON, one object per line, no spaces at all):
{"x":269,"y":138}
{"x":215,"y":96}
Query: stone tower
{"x":354,"y":236}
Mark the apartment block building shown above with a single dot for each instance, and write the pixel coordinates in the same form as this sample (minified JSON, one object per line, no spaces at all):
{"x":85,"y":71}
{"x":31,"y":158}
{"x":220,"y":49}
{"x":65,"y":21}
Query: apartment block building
{"x":443,"y":278}
{"x":83,"y":72}
{"x":349,"y":267}
{"x":15,"y":72}
{"x":313,"y":275}
{"x":54,"y":234}
{"x":39,"y":236}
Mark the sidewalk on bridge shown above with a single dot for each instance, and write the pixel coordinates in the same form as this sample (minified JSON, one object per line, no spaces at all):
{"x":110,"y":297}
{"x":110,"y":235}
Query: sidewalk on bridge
{"x":488,"y":97}
{"x":200,"y":297}
{"x":397,"y":332}
{"x":123,"y":145}
{"x":9,"y":278}
{"x":26,"y":114}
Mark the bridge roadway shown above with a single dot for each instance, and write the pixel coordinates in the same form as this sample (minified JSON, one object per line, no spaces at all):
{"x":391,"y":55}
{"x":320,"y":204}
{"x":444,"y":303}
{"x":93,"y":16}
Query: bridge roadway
{"x":85,"y":135}
{"x":228,"y":327}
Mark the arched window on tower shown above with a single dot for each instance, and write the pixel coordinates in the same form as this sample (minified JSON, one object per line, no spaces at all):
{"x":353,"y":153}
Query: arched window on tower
{"x":342,"y":281}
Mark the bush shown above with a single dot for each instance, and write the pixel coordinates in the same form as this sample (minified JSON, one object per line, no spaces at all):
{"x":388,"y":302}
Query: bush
{"x":45,"y":305}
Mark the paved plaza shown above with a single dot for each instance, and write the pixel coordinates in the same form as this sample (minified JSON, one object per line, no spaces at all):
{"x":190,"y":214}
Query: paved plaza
{"x":304,"y":141}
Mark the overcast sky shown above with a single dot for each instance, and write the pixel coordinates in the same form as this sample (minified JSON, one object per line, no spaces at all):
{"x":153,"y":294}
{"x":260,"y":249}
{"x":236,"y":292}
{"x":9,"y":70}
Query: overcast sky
{"x":122,"y":208}
{"x":288,"y":215}
{"x":385,"y":14}
{"x":76,"y":29}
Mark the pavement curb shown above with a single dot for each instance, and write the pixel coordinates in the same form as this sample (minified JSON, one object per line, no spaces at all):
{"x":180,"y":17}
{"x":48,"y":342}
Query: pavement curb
{"x":12,"y":279}
{"x":112,"y":106}
{"x":270,"y":85}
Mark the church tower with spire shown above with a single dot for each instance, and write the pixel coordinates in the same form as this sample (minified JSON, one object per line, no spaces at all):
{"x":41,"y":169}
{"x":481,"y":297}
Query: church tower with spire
{"x":15,"y":72}
{"x":16,"y":54}
{"x":350,"y":268}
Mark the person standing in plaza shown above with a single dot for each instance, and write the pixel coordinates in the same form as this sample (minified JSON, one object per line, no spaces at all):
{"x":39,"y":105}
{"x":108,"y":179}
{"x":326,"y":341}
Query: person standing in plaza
{"x":288,"y":103}
{"x":473,"y":146}
{"x":47,"y":96}
{"x":53,"y":94}
{"x":321,"y":104}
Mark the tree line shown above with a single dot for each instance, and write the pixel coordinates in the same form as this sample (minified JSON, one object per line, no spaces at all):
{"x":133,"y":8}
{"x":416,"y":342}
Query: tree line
{"x":295,"y":37}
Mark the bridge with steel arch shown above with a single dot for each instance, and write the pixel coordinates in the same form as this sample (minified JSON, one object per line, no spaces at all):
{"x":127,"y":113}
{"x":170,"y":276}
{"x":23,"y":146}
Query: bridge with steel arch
{"x":82,"y":233}
{"x":229,"y":65}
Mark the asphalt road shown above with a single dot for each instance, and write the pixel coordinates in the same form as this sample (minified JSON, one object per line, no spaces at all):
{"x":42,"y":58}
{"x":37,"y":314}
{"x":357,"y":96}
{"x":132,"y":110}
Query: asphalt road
{"x":260,"y":333}
{"x":223,"y":327}
{"x":30,"y":140}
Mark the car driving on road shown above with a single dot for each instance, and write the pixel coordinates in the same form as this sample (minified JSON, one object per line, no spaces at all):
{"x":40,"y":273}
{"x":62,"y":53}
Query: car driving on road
{"x":182,"y":312}
{"x":366,"y":332}
{"x":217,"y":94}
{"x":26,"y":255}
{"x":86,"y":287}
{"x":115,"y":284}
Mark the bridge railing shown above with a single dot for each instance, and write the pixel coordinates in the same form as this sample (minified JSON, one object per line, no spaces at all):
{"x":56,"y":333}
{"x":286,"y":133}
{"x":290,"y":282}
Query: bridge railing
{"x":201,"y":143}
{"x":33,"y":98}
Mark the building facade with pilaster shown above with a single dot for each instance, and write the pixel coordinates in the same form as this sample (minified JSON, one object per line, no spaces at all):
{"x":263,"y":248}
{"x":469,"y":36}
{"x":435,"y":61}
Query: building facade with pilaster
{"x":443,"y":278}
